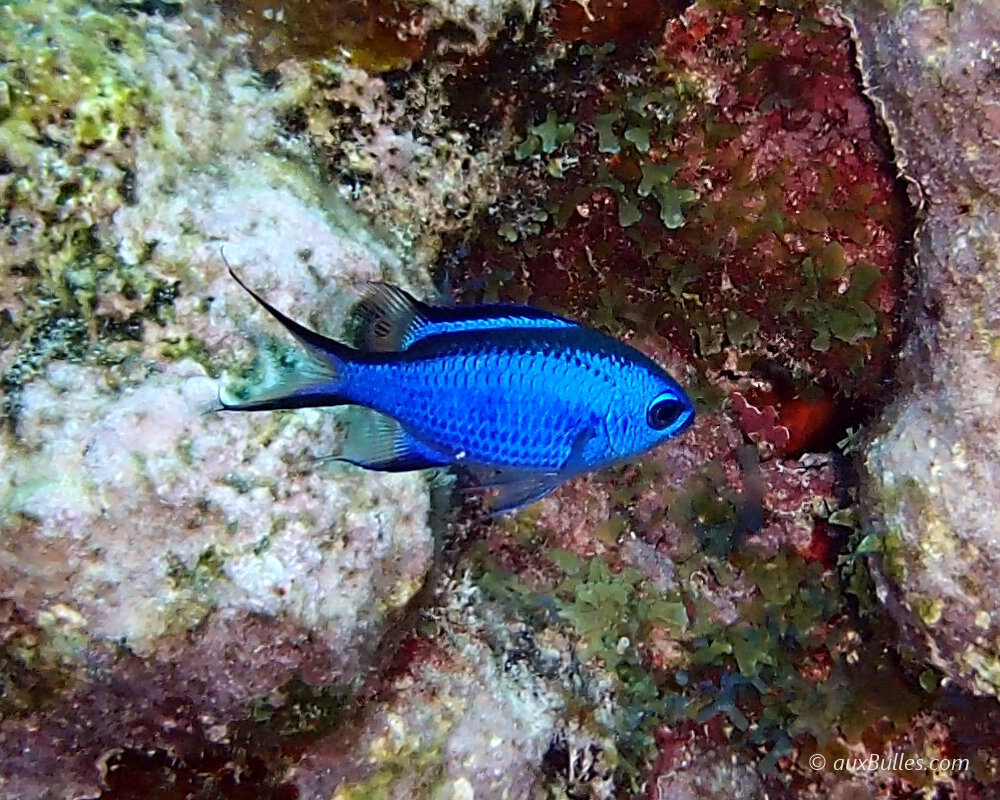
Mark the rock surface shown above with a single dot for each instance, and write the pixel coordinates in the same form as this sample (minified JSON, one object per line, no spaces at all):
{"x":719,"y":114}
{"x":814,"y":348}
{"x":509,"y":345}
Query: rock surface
{"x":189,"y":607}
{"x":163,"y":566}
{"x":933,"y":469}
{"x":464,"y":715}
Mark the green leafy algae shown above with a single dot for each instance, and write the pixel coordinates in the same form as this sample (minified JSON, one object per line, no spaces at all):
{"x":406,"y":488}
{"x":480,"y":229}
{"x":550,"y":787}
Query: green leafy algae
{"x":690,"y":177}
{"x":639,"y":137}
{"x":753,"y":669}
{"x":608,"y":610}
{"x":546,"y":138}
{"x":607,"y":139}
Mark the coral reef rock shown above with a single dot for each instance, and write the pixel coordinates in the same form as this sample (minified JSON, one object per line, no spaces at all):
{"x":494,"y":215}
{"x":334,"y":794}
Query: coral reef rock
{"x":461,"y":715}
{"x":933,"y":468}
{"x":377,"y":35}
{"x":149,"y":548}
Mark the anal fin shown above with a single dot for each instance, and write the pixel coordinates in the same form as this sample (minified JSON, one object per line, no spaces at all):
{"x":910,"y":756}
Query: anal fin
{"x":378,"y":442}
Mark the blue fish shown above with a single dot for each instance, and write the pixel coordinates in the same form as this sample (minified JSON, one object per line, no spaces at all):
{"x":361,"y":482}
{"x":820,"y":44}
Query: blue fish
{"x":523,"y":398}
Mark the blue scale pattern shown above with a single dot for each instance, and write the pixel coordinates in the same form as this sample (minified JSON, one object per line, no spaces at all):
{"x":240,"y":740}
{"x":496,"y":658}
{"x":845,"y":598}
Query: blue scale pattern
{"x":497,"y":387}
{"x":519,"y":398}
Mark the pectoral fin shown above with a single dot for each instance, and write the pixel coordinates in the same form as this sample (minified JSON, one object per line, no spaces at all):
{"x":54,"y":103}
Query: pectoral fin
{"x":520,"y":487}
{"x":577,"y":462}
{"x":516,"y":494}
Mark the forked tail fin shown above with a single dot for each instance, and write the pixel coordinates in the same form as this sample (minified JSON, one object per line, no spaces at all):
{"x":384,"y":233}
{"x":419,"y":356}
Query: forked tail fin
{"x":317,"y":382}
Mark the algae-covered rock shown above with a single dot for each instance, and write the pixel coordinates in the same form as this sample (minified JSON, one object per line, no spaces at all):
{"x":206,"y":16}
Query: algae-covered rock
{"x":188,"y":600}
{"x":933,"y":468}
{"x":377,"y":35}
{"x":463,"y":715}
{"x":163,"y":565}
{"x":692,"y":771}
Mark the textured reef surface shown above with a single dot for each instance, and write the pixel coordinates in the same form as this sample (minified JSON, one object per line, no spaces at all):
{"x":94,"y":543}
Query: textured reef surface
{"x":791,"y":207}
{"x":932,"y":467}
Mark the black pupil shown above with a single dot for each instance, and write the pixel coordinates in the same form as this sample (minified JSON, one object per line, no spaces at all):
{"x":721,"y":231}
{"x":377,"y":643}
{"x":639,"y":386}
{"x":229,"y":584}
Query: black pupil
{"x":665,"y":413}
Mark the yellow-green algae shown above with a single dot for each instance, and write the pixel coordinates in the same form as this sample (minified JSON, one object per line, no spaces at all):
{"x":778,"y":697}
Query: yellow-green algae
{"x":928,"y":609}
{"x":74,"y":102}
{"x":401,"y":755}
{"x":65,"y":60}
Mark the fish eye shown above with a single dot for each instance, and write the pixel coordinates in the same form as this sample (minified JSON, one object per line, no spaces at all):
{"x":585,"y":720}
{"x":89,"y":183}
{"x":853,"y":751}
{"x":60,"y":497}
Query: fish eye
{"x":665,"y":412}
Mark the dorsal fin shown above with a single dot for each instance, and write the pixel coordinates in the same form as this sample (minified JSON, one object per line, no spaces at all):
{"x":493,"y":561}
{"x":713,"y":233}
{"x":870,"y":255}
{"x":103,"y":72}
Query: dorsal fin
{"x":389,"y":319}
